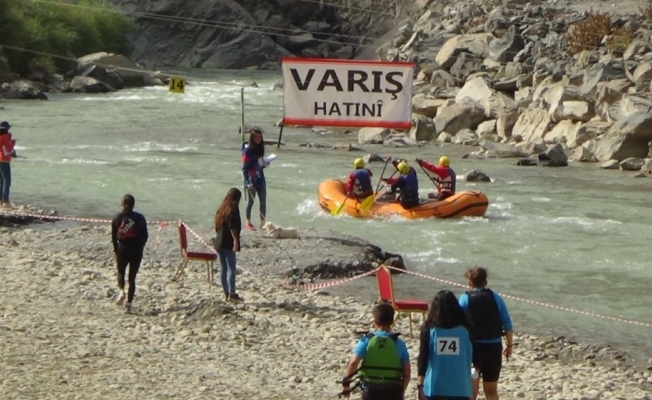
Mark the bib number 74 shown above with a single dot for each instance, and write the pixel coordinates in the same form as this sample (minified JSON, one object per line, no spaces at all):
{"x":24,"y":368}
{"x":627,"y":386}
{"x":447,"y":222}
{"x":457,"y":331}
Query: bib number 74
{"x":448,"y":346}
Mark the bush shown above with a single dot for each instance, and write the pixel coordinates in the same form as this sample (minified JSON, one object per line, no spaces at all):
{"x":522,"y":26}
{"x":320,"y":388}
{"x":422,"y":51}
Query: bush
{"x":588,"y":33}
{"x":620,"y":39}
{"x":87,"y":26}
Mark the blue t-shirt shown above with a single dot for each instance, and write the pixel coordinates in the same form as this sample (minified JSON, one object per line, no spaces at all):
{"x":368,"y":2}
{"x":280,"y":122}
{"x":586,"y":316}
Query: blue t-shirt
{"x":361,"y":348}
{"x":450,"y":355}
{"x":502,"y":311}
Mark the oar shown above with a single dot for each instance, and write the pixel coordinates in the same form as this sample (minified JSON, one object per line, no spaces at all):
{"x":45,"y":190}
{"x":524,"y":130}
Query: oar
{"x":337,"y":211}
{"x":365,"y":205}
{"x":364,"y":208}
{"x":434,"y":181}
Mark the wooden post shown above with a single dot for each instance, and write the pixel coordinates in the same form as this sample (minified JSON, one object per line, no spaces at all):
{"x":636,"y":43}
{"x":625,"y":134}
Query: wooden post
{"x":242,"y":131}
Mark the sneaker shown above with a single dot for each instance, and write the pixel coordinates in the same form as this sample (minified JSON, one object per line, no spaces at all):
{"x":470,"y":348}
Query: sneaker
{"x":235,"y":298}
{"x":250,"y":227}
{"x":128,"y":308}
{"x":226,"y":296}
{"x":121,"y":299}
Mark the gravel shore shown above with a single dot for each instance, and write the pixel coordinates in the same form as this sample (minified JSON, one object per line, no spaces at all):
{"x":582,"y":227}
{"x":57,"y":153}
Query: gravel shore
{"x":65,"y":339}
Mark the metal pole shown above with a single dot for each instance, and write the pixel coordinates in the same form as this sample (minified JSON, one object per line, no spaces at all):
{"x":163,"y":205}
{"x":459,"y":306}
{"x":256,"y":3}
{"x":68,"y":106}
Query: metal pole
{"x":242,"y":116}
{"x":242,"y":131}
{"x":280,"y":135}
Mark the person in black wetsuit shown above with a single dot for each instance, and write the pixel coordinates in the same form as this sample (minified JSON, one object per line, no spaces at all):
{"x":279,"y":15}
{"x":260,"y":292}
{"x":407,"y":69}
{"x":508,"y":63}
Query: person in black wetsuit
{"x":128,"y":235}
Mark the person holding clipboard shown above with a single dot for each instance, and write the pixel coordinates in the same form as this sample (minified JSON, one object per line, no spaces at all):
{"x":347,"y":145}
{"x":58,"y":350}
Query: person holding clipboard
{"x":253,"y":164}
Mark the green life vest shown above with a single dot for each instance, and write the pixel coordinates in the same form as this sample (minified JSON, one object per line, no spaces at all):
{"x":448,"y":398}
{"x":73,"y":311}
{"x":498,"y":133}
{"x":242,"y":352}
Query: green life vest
{"x":381,"y":363}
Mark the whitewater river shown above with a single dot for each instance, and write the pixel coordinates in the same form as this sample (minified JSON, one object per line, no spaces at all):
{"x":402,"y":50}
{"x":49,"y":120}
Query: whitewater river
{"x":576,"y":237}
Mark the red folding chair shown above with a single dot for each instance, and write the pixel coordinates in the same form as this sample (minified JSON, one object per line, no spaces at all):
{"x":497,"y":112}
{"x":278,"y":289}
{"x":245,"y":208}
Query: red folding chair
{"x":208,"y":258}
{"x":386,"y":294}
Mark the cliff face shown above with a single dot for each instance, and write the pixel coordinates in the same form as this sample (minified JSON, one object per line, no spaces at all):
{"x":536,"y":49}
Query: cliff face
{"x":255,"y":33}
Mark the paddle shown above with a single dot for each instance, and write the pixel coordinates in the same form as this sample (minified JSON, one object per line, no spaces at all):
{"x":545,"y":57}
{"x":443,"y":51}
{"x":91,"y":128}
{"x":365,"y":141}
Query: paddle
{"x":365,"y":205}
{"x":337,"y":211}
{"x":434,"y":181}
{"x":374,"y":197}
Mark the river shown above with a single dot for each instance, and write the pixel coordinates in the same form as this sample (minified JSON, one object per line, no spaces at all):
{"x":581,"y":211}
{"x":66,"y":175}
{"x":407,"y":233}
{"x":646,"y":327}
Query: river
{"x":574,"y":237}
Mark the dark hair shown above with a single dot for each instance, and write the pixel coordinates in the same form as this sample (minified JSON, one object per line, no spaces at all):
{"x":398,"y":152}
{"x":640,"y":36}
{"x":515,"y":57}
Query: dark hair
{"x":256,"y":149}
{"x":477,"y":277}
{"x":445,"y":312}
{"x":383,"y":314}
{"x":128,"y":203}
{"x":231,"y":201}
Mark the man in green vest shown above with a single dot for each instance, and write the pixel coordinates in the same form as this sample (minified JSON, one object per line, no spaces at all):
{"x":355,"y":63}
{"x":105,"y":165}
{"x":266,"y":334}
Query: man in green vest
{"x":381,"y":360}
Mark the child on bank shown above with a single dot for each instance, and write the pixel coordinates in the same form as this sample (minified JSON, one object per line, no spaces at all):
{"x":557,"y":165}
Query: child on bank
{"x":381,"y":359}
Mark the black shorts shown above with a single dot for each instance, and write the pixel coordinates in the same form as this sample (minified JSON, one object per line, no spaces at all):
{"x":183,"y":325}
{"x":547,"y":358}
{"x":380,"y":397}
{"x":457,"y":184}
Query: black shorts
{"x":488,"y":360}
{"x":382,"y":392}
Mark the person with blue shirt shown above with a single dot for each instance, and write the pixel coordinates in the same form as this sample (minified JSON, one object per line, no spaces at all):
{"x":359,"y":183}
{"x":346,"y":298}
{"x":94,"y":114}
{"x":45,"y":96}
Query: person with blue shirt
{"x":491,"y":321}
{"x":407,"y":185}
{"x":253,"y":163}
{"x":445,"y":351}
{"x":381,"y":359}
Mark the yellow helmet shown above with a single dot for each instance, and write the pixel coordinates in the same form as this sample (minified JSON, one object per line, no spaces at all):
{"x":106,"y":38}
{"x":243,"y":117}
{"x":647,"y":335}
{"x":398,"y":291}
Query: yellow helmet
{"x":403,"y":167}
{"x":358,"y":163}
{"x":444,"y":161}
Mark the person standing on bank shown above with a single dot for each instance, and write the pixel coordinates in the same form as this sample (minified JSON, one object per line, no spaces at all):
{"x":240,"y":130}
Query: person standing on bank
{"x":445,"y":351}
{"x":490,"y":319}
{"x":227,"y":241}
{"x":253,"y":163}
{"x":129,"y":236}
{"x":7,"y":151}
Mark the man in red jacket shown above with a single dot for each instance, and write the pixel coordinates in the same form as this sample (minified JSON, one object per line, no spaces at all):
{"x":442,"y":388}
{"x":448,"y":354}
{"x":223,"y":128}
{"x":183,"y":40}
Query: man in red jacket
{"x":7,"y":145}
{"x":445,"y":177}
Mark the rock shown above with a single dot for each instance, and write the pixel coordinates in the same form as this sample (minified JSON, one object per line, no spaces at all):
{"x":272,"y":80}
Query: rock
{"x":399,"y":140}
{"x":501,"y":150}
{"x":425,"y":105}
{"x":532,"y":124}
{"x":476,"y":44}
{"x":642,"y":76}
{"x":110,"y":65}
{"x":505,"y":122}
{"x":626,"y":138}
{"x":493,"y":102}
{"x":372,"y":158}
{"x":611,"y":164}
{"x":554,"y":156}
{"x":465,"y":137}
{"x":647,"y":166}
{"x":504,"y":49}
{"x":441,"y":78}
{"x":464,"y":115}
{"x":346,"y":146}
{"x":582,"y":154}
{"x":423,"y":129}
{"x":531,"y":148}
{"x":476,"y":176}
{"x":562,"y":132}
{"x":85,"y":84}
{"x":591,"y":130}
{"x":444,"y":137}
{"x":632,"y":164}
{"x":576,"y":111}
{"x":486,"y":128}
{"x":372,"y":135}
{"x":22,"y":89}
{"x":527,"y":162}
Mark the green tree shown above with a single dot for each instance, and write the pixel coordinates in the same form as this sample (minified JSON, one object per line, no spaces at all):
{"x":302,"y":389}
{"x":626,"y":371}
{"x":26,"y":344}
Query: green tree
{"x":62,"y":29}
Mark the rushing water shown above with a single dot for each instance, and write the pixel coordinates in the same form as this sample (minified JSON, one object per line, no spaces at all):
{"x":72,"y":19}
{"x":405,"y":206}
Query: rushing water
{"x":575,"y":237}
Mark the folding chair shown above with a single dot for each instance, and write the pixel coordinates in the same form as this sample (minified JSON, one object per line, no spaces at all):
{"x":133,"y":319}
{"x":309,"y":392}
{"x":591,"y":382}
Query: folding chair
{"x":208,"y":258}
{"x":386,"y":294}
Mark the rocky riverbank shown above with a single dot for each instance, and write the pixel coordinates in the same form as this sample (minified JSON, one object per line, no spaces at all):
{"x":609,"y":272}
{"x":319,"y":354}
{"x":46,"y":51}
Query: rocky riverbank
{"x":64,"y":338}
{"x":520,"y":79}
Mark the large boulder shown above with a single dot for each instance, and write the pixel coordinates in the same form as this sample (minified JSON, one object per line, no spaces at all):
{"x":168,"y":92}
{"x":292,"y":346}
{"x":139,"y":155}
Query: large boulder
{"x":85,"y":84}
{"x":554,"y":156}
{"x":422,"y":129}
{"x":476,"y":44}
{"x":494,"y":102}
{"x":532,"y":124}
{"x":466,"y":114}
{"x":501,"y":150}
{"x":626,"y":138}
{"x":117,"y":69}
{"x":373,"y":135}
{"x":504,"y":49}
{"x":22,"y":89}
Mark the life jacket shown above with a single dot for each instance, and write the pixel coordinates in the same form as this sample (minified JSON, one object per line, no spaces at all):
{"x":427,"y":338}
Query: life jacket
{"x":381,"y":364}
{"x":447,"y":184}
{"x":8,"y":144}
{"x":484,"y":314}
{"x":362,"y":185}
{"x":410,"y":193}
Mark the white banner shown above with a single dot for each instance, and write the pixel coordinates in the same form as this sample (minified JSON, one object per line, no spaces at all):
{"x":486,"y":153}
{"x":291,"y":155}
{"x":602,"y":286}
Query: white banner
{"x":323,"y":92}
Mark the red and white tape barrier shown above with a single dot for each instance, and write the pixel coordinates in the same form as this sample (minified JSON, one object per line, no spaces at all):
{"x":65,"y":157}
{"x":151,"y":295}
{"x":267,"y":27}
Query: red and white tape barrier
{"x":323,"y":285}
{"x":538,"y":303}
{"x":76,"y":219}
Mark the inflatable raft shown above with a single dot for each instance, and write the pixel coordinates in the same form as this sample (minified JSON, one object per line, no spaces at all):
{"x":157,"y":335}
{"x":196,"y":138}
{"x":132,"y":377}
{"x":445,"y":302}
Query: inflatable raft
{"x":463,"y":204}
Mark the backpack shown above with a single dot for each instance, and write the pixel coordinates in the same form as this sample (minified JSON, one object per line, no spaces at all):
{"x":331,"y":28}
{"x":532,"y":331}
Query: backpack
{"x":128,"y":230}
{"x":381,"y":363}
